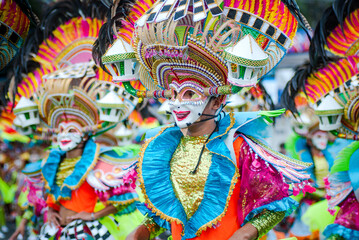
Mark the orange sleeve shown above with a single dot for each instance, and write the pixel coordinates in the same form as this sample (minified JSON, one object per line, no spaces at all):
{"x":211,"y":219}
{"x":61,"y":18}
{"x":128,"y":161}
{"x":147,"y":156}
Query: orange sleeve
{"x":51,"y":203}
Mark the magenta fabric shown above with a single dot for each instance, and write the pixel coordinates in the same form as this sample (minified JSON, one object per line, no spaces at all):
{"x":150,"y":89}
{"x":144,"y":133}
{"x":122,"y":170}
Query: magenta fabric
{"x":348,"y":215}
{"x":261,"y":183}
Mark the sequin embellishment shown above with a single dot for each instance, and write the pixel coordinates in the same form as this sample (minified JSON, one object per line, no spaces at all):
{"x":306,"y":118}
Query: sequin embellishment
{"x":189,"y":188}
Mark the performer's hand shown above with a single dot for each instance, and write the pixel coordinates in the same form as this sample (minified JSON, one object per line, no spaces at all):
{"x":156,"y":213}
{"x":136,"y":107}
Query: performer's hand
{"x":53,"y":217}
{"x":81,"y":215}
{"x":247,"y":232}
{"x":20,"y":230}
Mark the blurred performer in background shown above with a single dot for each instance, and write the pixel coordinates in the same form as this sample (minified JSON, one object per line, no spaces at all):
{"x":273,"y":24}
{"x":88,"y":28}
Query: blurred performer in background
{"x":309,"y":144}
{"x":331,"y":87}
{"x":61,"y":91}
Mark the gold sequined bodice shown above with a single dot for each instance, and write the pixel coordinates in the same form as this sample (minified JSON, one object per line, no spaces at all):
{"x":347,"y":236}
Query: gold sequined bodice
{"x":65,"y":169}
{"x":188,"y":187}
{"x":321,"y":169}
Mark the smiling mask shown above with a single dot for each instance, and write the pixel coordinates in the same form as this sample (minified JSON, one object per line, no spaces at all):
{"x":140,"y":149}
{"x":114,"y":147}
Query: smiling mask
{"x":70,"y":136}
{"x":320,"y":140}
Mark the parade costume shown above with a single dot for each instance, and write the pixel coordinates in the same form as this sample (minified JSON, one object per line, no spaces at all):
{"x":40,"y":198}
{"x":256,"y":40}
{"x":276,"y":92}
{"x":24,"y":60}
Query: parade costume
{"x":256,"y":99}
{"x":331,"y":88}
{"x":34,"y":206}
{"x":63,"y":94}
{"x":100,"y":173}
{"x":311,"y":145}
{"x":207,"y":187}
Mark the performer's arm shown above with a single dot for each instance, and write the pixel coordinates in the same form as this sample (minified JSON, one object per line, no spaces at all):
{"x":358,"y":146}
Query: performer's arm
{"x":149,"y":229}
{"x":258,"y":225}
{"x":86,"y":216}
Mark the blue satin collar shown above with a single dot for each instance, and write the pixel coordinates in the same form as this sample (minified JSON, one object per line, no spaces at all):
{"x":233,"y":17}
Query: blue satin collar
{"x":82,"y":168}
{"x":220,"y":181}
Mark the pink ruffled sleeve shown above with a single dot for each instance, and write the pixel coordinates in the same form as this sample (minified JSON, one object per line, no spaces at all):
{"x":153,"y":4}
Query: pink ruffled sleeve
{"x":262,"y":187}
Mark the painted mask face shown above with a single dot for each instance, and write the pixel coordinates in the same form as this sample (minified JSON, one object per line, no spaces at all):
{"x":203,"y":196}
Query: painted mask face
{"x":320,"y":140}
{"x":186,"y":105}
{"x":70,"y":136}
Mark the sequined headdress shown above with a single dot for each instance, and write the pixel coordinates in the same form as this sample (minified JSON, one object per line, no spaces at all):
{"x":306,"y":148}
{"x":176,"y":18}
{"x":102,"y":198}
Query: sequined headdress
{"x":214,"y":48}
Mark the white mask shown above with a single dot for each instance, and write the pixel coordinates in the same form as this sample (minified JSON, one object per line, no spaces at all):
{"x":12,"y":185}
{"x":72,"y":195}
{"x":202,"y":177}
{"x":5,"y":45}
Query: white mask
{"x":70,"y":136}
{"x":320,"y":140}
{"x":186,"y":113}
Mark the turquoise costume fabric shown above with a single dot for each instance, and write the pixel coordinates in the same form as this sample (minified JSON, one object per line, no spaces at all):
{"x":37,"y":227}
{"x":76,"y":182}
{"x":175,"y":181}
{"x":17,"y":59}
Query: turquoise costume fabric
{"x":155,"y":170}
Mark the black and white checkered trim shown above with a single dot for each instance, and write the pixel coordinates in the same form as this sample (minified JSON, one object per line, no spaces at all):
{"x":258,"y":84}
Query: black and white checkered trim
{"x":253,"y":21}
{"x":75,"y":231}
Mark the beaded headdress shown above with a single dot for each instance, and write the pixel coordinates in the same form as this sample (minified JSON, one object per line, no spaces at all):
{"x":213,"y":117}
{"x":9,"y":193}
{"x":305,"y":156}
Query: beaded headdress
{"x":212,"y":48}
{"x":93,"y":104}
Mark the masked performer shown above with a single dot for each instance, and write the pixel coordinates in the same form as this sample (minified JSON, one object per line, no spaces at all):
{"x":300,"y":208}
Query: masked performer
{"x":35,"y":204}
{"x":332,"y":89}
{"x":219,"y":180}
{"x":80,"y":172}
{"x":310,"y":144}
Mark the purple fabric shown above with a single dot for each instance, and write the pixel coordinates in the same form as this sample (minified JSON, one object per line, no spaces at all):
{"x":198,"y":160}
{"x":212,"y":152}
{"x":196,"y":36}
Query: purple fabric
{"x":348,"y":215}
{"x":261,"y":183}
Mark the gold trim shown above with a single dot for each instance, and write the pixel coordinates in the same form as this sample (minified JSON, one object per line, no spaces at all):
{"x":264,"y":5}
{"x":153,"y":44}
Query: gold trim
{"x":87,"y":172}
{"x":123,"y":203}
{"x":142,"y":184}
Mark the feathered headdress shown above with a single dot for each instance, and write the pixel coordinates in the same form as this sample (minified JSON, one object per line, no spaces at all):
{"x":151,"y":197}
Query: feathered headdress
{"x":65,"y":53}
{"x":216,"y":48}
{"x":331,"y":84}
{"x":65,"y":36}
{"x":14,"y":27}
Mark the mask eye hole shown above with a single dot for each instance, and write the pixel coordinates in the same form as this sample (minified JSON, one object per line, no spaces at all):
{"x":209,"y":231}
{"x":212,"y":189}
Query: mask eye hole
{"x":61,"y":129}
{"x":72,"y":130}
{"x":174,"y":95}
{"x":191,"y":95}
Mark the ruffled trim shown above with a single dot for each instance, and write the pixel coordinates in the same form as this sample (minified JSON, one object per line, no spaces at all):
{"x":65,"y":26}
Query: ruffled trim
{"x":287,"y":205}
{"x":124,"y":199}
{"x":129,"y":209}
{"x":340,"y":230}
{"x":157,"y":187}
{"x":160,"y":221}
{"x":82,"y":168}
{"x":159,"y":180}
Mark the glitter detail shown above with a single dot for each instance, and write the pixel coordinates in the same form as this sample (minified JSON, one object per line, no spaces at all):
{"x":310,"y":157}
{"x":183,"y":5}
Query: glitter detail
{"x":266,"y":220}
{"x":65,"y":169}
{"x":152,"y":227}
{"x":188,"y":187}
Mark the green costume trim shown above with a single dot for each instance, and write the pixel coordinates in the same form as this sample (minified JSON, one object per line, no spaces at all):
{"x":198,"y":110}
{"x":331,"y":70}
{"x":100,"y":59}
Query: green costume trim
{"x":266,"y":220}
{"x":342,"y":160}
